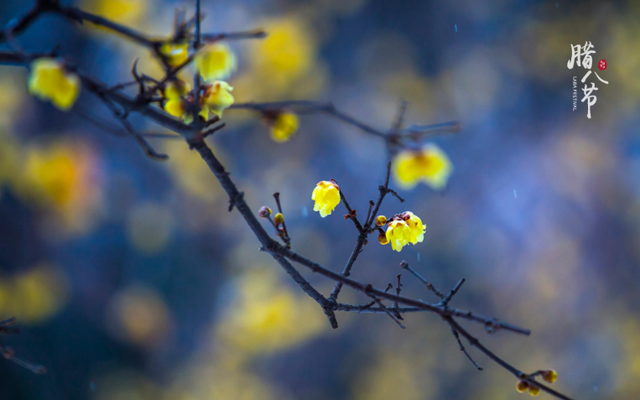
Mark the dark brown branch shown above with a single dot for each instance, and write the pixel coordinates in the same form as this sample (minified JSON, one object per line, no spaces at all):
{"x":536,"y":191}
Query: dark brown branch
{"x":452,"y":293}
{"x":253,"y":34}
{"x":310,"y":107}
{"x":462,"y":349}
{"x":515,"y":371}
{"x":429,"y":285}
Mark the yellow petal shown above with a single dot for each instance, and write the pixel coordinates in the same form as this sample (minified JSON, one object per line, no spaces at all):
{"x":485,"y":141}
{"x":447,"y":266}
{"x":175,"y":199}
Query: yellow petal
{"x":215,"y":61}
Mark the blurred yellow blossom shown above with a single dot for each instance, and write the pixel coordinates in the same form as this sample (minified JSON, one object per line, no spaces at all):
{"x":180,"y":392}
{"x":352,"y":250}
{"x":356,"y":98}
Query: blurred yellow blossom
{"x":429,"y":165}
{"x":137,"y":314}
{"x":176,"y":108}
{"x":284,"y":126}
{"x":176,"y":89}
{"x":150,"y":227}
{"x":49,"y":80}
{"x":175,"y":54}
{"x":11,"y":96}
{"x":62,"y":177}
{"x":35,"y":295}
{"x":128,"y":12}
{"x":215,"y":61}
{"x":284,"y":64}
{"x":176,"y":103}
{"x":327,"y":196}
{"x":217,"y":97}
{"x":189,"y":173}
{"x":269,"y":315}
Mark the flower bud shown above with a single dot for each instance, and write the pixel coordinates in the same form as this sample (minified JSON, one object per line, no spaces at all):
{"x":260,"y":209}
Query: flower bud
{"x":382,"y":238}
{"x":522,"y":386}
{"x":278,"y":219}
{"x":264,"y":212}
{"x":534,"y":390}
{"x":381,"y":220}
{"x":550,"y":376}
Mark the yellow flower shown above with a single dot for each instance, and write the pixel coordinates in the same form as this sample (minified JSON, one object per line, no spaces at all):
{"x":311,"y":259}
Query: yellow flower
{"x":403,"y":229}
{"x":176,"y":89}
{"x":50,"y":81}
{"x":416,"y":225}
{"x":327,"y":197}
{"x":215,"y":61}
{"x":176,"y":104}
{"x":429,"y":165}
{"x":128,"y":12}
{"x":178,"y":108}
{"x":175,"y":54}
{"x":284,"y":126}
{"x":399,"y":234}
{"x":217,"y":97}
{"x":175,"y":108}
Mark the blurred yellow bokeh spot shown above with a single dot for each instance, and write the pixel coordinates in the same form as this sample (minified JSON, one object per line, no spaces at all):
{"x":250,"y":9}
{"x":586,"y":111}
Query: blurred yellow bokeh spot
{"x":150,"y":227}
{"x":35,"y":295}
{"x":137,"y":314}
{"x":269,"y":316}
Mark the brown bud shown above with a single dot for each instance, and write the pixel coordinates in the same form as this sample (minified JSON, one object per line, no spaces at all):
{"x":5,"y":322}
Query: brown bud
{"x":522,"y":386}
{"x":382,"y":238}
{"x":264,"y":212}
{"x":550,"y":376}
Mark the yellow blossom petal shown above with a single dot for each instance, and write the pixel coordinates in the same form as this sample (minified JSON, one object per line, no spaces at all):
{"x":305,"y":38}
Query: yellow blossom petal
{"x":429,"y":165}
{"x":399,"y":234}
{"x":217,"y":97}
{"x":417,"y":227}
{"x":284,"y":126}
{"x":327,"y":196}
{"x":215,"y":61}
{"x":175,"y":53}
{"x":176,"y":89}
{"x":175,"y":107}
{"x":50,"y":81}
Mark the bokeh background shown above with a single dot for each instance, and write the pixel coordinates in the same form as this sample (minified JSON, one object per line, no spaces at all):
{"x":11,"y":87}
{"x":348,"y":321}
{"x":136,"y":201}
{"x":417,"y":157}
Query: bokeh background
{"x":132,"y":281}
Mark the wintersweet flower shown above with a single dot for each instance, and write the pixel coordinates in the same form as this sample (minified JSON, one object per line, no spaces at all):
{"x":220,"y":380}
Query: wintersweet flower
{"x":416,"y":225}
{"x":326,"y":196}
{"x":49,"y":80}
{"x":215,"y":61}
{"x":176,"y":89}
{"x":217,"y":97}
{"x":429,"y":165}
{"x":175,"y":54}
{"x":399,"y":234}
{"x":284,"y":127}
{"x":179,"y":108}
{"x":403,"y":229}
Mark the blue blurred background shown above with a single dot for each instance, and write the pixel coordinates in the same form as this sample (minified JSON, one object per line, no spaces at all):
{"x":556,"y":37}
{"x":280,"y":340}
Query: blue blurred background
{"x":132,"y":281}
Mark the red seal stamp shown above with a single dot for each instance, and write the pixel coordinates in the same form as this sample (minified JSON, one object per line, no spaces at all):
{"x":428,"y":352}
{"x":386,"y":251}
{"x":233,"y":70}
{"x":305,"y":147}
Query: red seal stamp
{"x":602,"y":64}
